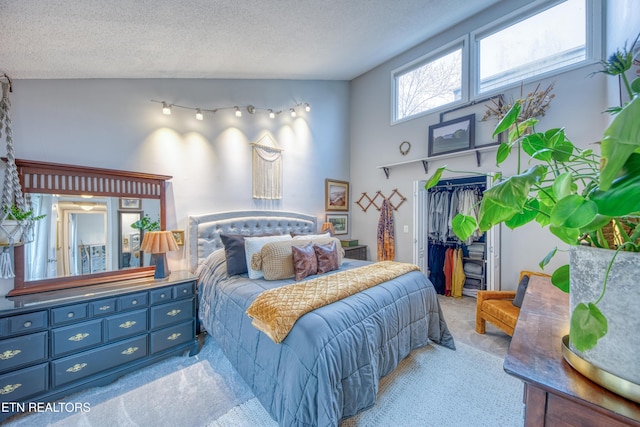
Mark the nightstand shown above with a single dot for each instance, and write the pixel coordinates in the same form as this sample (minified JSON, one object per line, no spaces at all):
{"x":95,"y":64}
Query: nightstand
{"x":356,"y":252}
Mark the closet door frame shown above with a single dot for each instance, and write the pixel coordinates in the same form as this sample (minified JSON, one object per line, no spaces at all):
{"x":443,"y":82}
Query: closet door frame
{"x":421,"y":235}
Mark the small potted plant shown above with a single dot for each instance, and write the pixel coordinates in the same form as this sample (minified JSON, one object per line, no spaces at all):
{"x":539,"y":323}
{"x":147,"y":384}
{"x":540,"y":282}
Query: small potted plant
{"x":146,"y":224}
{"x":17,"y":224}
{"x":590,"y":202}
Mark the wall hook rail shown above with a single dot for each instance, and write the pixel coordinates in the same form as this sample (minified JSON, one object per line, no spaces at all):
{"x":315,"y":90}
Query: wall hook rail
{"x":365,"y":201}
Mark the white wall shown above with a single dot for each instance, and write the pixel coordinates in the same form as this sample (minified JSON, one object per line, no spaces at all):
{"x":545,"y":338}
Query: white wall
{"x":112,"y":124}
{"x":578,"y":104}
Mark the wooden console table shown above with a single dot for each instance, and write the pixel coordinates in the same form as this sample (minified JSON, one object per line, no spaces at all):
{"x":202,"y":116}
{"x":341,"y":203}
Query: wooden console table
{"x":554,"y":393}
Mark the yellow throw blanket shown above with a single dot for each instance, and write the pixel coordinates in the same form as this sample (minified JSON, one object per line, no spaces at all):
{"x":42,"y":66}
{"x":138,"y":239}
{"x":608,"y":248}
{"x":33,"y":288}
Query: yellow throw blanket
{"x":275,"y":311}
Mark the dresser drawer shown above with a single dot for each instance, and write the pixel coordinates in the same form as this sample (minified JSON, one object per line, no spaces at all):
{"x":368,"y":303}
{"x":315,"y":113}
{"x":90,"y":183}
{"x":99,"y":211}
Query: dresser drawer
{"x":91,"y":362}
{"x":183,"y":291}
{"x":167,"y":314}
{"x":23,"y":350}
{"x":172,"y":336}
{"x":159,"y":296}
{"x":25,"y":323}
{"x":103,"y":307}
{"x":69,"y":313}
{"x":129,"y":302}
{"x":76,"y":337}
{"x":26,"y":382}
{"x":126,"y":324}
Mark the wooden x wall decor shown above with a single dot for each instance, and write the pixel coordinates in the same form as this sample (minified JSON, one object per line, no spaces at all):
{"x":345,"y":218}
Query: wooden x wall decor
{"x":365,"y":202}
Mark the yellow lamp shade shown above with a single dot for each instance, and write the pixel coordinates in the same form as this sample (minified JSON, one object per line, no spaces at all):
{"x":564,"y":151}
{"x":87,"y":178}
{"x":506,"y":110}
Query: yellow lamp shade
{"x":158,"y":242}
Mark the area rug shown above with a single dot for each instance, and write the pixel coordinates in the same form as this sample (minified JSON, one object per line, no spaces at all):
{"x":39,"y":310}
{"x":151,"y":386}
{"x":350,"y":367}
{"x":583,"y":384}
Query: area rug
{"x":434,"y":386}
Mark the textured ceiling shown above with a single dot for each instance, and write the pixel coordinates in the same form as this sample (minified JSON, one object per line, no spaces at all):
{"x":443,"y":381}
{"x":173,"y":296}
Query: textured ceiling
{"x":271,"y":39}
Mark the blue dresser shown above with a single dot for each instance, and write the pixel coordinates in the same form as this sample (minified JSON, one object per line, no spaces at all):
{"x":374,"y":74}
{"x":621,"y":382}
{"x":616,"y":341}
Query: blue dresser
{"x":56,"y":343}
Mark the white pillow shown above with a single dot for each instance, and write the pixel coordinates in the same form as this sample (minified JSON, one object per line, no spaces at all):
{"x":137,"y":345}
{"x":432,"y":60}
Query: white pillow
{"x":253,"y":245}
{"x":311,"y":236}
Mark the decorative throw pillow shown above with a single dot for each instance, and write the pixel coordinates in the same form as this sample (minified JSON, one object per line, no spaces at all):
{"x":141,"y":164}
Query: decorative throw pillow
{"x":234,"y":251}
{"x":522,"y":288}
{"x":327,"y":257}
{"x":253,"y":245}
{"x":275,"y":260}
{"x":305,"y":262}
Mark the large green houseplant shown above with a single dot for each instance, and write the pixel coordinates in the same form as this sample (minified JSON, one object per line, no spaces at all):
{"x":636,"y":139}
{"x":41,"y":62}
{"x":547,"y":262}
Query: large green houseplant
{"x":575,"y":193}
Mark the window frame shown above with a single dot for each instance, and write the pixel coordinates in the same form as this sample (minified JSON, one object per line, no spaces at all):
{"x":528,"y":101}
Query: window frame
{"x":593,"y":42}
{"x":461,"y":43}
{"x":594,"y":52}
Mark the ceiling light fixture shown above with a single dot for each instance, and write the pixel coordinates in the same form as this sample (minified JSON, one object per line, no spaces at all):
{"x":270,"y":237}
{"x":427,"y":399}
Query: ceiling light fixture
{"x":251,"y":109}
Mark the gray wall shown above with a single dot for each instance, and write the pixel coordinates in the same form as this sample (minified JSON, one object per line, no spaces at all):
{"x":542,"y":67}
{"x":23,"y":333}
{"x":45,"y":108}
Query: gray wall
{"x":579,"y":101}
{"x":113,"y":124}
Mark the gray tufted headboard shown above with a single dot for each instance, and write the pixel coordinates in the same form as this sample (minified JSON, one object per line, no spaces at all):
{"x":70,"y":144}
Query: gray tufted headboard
{"x":205,"y":230}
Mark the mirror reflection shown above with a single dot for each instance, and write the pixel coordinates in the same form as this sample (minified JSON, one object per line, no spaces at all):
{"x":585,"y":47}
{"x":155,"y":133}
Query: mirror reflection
{"x":86,"y":235}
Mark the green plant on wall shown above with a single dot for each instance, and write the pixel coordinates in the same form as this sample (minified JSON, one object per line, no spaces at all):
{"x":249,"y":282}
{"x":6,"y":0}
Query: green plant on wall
{"x":578,"y":195}
{"x":146,"y":224}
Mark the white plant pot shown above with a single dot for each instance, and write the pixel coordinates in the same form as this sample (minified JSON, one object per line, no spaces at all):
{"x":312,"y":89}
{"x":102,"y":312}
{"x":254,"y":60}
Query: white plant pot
{"x":618,"y":351}
{"x":10,"y":228}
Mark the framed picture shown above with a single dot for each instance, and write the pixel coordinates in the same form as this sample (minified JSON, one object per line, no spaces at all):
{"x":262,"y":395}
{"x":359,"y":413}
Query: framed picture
{"x":452,"y":136}
{"x":127,"y":203}
{"x":336,"y":195}
{"x":179,"y":236}
{"x":340,"y":223}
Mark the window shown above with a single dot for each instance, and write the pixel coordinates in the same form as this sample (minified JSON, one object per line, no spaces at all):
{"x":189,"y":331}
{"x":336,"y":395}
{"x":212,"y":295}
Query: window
{"x":429,"y":85}
{"x":546,"y":41}
{"x":545,"y":37}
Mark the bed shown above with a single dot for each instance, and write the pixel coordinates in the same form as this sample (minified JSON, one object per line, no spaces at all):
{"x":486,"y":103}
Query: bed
{"x":328,"y":366}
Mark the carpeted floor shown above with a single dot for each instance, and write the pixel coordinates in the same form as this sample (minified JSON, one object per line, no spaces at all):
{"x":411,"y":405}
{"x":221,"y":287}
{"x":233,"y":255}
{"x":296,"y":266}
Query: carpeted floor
{"x":468,"y":388}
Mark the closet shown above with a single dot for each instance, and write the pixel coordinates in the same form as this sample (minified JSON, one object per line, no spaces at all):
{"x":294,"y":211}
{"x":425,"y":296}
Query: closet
{"x":456,"y":267}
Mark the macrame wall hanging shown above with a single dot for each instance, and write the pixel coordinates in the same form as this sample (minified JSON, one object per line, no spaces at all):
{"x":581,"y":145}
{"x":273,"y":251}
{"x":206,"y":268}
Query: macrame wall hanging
{"x":16,"y":223}
{"x":267,"y":169}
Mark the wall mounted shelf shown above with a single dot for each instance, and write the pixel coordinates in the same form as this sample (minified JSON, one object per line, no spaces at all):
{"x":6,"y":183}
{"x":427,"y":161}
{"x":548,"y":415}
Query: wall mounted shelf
{"x":425,"y":161}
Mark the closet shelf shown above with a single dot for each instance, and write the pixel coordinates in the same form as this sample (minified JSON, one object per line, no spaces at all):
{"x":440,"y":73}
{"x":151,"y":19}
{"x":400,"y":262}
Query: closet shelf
{"x":425,"y":161}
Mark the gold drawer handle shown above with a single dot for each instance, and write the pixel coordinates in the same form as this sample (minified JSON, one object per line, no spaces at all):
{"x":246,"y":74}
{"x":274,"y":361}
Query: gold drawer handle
{"x":77,"y":367}
{"x":78,"y":337}
{"x":128,"y":324}
{"x":9,"y":388}
{"x":174,"y":337}
{"x":173,"y":312}
{"x":9,"y":354}
{"x":104,"y":308}
{"x":129,"y":351}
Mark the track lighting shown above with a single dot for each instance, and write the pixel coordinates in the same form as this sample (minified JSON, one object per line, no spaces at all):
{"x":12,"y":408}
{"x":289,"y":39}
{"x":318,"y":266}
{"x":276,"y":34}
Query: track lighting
{"x":251,"y":109}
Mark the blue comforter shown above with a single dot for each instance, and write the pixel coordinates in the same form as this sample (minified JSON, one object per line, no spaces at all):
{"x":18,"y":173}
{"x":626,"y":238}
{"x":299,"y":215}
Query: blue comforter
{"x":329,"y":365}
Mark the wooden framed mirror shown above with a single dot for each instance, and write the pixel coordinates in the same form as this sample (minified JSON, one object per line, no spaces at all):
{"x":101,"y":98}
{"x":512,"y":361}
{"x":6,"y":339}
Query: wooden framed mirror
{"x":80,"y":241}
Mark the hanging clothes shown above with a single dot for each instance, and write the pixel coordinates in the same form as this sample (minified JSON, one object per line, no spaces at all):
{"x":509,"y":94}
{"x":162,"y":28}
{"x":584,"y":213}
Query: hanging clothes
{"x":458,"y":279}
{"x":386,"y":233}
{"x":448,"y":271}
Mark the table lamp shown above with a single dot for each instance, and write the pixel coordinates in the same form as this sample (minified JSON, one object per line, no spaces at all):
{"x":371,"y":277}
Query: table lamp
{"x":159,"y":243}
{"x":327,"y":226}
